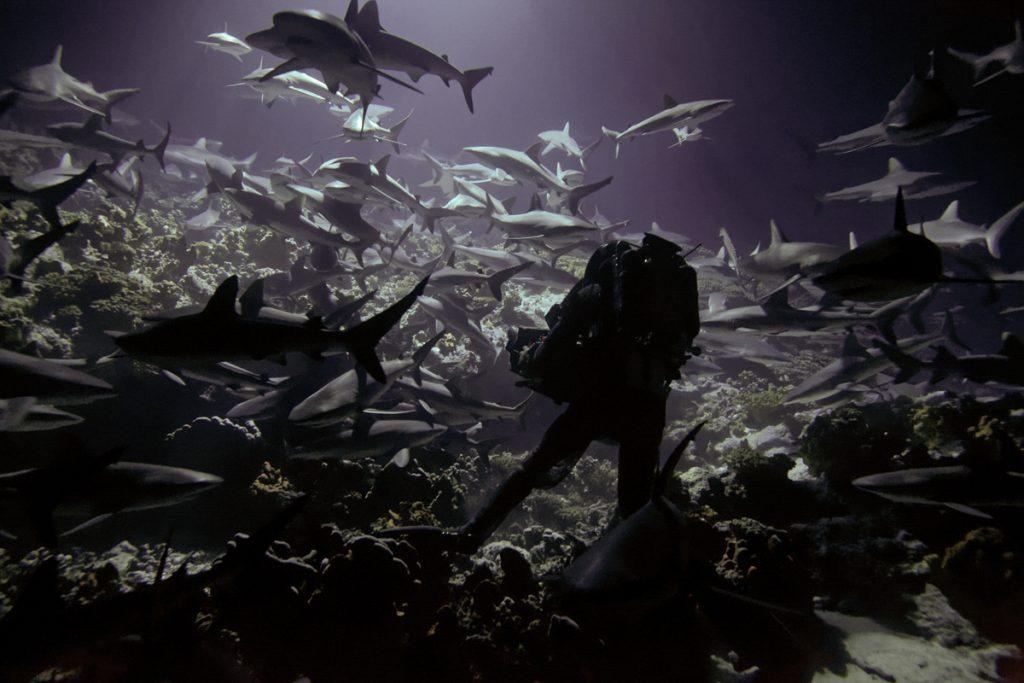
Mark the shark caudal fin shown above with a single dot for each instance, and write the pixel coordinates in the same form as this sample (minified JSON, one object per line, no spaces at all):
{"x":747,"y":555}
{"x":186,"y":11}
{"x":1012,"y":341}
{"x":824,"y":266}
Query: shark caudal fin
{"x":49,"y":198}
{"x":361,"y":341}
{"x":495,"y":281}
{"x":577,"y":194}
{"x":614,"y":135}
{"x":995,"y":235}
{"x":113,"y":97}
{"x":161,"y":147}
{"x":470,"y":79}
{"x":396,"y":130}
{"x":665,"y":473}
{"x":421,"y":354}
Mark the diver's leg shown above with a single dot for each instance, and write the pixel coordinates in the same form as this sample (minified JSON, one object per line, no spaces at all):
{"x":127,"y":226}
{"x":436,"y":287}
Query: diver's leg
{"x":639,"y":445}
{"x":567,"y":437}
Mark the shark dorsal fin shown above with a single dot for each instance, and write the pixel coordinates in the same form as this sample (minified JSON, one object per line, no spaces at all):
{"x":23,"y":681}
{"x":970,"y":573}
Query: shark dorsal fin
{"x":352,"y":13}
{"x":895,"y":165}
{"x":533,"y":151}
{"x":779,"y":299}
{"x":1012,"y":346}
{"x":777,"y":236}
{"x":369,"y":16}
{"x":853,"y":241}
{"x":92,"y":123}
{"x":757,"y":250}
{"x":566,"y":128}
{"x":381,"y":164}
{"x":952,"y":212}
{"x":57,"y":55}
{"x":899,"y":221}
{"x":65,"y":162}
{"x":201,"y":143}
{"x":252,"y":299}
{"x":669,"y":101}
{"x":535,"y":202}
{"x":222,"y":303}
{"x":661,"y":482}
{"x":852,"y":347}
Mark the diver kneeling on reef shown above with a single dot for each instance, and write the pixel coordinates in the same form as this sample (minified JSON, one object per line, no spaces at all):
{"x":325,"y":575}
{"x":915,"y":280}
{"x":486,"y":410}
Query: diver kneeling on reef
{"x":616,"y":341}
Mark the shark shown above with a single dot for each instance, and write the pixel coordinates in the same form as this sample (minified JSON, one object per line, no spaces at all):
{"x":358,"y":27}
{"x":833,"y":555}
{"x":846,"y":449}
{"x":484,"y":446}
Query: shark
{"x":48,"y":381}
{"x":673,"y":115}
{"x":782,"y":258}
{"x":952,"y":231}
{"x":447,"y":175}
{"x":220,"y":333}
{"x":645,"y":559}
{"x":855,"y":366}
{"x":395,"y":53}
{"x":373,"y":179}
{"x":47,"y":193}
{"x":198,"y":155}
{"x":1008,"y":59}
{"x":27,"y":415}
{"x":921,"y":112}
{"x":49,"y":82}
{"x":94,"y":488}
{"x":1005,"y":367}
{"x":291,"y":85}
{"x":118,"y":181}
{"x":352,"y":392}
{"x":222,"y":41}
{"x":360,"y":127}
{"x":563,"y":141}
{"x":967,"y":490}
{"x":447,"y":405}
{"x":913,"y":184}
{"x":449,"y":314}
{"x":384,"y":439}
{"x":776,"y":316}
{"x":450,"y":276}
{"x":286,"y":218}
{"x":90,"y":136}
{"x":311,"y":39}
{"x":526,"y":167}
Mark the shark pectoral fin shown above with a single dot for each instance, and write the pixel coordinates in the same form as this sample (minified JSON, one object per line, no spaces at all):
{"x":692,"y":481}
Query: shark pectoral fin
{"x":968,"y":510}
{"x":173,"y":377}
{"x":293,"y":64}
{"x":402,"y":458}
{"x":98,"y":519}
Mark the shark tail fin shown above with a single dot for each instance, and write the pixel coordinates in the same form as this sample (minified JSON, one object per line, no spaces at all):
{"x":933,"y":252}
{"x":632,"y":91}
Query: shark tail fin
{"x":995,"y":235}
{"x":421,"y":354}
{"x":396,"y":130}
{"x":614,"y":135}
{"x":665,"y":473}
{"x":161,"y":146}
{"x":470,"y":79}
{"x":114,"y":97}
{"x":577,"y":194}
{"x":730,"y":249}
{"x":362,"y":339}
{"x":49,"y":198}
{"x":495,"y":281}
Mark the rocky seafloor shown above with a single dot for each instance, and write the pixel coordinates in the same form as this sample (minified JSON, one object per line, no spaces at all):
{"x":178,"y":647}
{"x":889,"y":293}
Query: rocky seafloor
{"x":898,"y":593}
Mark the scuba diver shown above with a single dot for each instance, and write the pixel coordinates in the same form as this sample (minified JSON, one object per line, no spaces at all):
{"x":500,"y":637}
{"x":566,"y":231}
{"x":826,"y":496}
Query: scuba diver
{"x":614,"y":343}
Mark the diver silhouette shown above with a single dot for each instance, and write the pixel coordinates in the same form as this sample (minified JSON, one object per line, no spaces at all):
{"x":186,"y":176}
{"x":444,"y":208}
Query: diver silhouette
{"x":614,"y":343}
